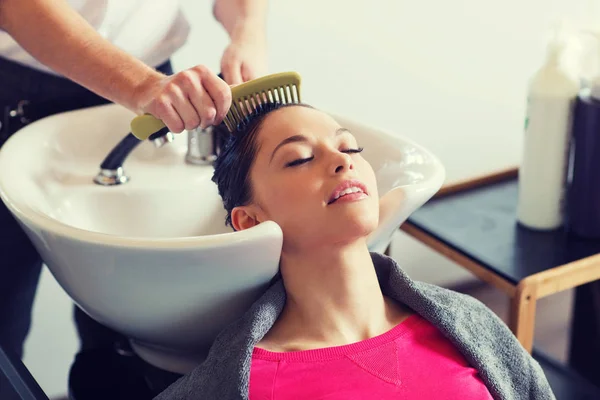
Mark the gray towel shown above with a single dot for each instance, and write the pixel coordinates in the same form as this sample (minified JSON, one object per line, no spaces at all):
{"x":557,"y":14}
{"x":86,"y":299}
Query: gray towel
{"x":508,"y":371}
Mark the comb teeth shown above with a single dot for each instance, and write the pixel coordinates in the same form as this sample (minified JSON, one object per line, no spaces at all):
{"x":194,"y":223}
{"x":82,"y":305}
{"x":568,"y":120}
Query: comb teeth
{"x":243,"y":106}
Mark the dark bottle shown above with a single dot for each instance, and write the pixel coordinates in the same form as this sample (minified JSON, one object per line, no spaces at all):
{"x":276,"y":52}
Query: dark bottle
{"x":583,"y":187}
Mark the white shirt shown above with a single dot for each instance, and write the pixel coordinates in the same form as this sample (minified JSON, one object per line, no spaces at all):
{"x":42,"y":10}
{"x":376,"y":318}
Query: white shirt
{"x":151,"y":30}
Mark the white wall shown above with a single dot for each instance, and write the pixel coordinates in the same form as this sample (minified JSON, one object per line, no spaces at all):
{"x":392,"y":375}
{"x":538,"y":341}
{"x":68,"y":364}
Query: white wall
{"x":449,"y":74}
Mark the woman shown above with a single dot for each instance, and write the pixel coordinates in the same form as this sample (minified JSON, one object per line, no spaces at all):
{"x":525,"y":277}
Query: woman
{"x":342,"y":323}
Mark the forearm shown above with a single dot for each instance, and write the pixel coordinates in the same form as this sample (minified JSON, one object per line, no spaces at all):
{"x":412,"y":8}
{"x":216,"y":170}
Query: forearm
{"x":238,"y":17}
{"x":57,"y":36}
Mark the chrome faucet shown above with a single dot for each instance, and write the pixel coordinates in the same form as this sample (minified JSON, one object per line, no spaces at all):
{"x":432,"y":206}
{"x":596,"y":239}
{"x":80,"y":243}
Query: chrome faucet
{"x":111,"y":170}
{"x":203,"y":146}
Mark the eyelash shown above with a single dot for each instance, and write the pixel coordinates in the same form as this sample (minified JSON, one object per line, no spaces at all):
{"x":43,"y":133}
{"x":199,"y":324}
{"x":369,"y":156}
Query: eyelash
{"x":305,"y":160}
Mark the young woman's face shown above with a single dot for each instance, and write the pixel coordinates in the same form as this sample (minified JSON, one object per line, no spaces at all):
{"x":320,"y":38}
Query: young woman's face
{"x":310,"y":178}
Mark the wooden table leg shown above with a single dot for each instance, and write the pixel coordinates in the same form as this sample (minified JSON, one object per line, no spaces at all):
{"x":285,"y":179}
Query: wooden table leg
{"x":522,"y":313}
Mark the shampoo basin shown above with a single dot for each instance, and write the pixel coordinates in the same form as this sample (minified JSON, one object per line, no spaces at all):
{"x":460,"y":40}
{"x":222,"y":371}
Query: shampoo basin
{"x":153,"y":258}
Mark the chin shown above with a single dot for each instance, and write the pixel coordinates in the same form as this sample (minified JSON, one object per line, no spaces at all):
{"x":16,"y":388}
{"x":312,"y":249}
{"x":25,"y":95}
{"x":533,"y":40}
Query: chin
{"x":356,"y":227}
{"x":361,"y":216}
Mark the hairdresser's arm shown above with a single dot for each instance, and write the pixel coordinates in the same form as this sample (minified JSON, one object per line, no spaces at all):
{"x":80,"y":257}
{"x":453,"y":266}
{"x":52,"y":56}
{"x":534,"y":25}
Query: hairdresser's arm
{"x":57,"y":36}
{"x":245,"y":21}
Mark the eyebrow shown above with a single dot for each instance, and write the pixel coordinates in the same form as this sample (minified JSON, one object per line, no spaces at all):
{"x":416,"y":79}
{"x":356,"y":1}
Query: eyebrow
{"x":301,"y":138}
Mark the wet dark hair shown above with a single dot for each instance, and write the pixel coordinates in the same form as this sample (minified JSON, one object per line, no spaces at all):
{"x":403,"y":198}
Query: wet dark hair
{"x":238,"y":151}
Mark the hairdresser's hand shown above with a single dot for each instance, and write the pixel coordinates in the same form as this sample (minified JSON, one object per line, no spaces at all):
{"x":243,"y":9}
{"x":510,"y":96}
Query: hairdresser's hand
{"x":186,"y":100}
{"x":246,"y":56}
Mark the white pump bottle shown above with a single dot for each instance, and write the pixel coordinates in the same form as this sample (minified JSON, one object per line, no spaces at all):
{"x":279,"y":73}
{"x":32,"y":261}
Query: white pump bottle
{"x":542,"y":172}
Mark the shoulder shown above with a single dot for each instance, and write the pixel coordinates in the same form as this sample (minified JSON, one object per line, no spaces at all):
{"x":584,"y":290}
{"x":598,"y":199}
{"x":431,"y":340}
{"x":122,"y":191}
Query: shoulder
{"x":462,"y":312}
{"x":486,"y":340}
{"x":451,"y":298}
{"x":421,"y":295}
{"x":477,"y":332}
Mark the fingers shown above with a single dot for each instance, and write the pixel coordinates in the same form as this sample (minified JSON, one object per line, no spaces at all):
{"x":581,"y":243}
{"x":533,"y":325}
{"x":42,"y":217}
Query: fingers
{"x":191,"y":98}
{"x":231,"y":69}
{"x":174,"y":109}
{"x":248,"y":73}
{"x":205,"y":107}
{"x":162,"y":108}
{"x":186,"y":110}
{"x":220,"y":94}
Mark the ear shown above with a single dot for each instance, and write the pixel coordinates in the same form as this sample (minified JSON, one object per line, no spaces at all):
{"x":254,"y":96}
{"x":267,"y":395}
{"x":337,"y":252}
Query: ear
{"x":244,"y":217}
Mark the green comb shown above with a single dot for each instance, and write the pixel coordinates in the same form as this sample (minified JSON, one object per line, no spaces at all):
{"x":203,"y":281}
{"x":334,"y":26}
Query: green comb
{"x":143,"y":126}
{"x":283,"y":87}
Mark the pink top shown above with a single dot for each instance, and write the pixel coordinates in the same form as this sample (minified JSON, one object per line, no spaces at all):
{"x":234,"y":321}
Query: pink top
{"x":411,"y":361}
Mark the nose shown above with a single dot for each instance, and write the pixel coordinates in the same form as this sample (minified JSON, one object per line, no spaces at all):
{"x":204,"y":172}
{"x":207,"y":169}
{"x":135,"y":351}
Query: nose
{"x":341,"y":162}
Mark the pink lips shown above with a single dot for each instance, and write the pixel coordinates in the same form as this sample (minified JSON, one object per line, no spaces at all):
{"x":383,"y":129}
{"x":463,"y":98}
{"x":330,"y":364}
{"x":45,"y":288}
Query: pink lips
{"x":335,"y":195}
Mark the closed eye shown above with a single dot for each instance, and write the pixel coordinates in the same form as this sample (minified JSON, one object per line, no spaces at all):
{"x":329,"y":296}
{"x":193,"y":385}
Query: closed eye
{"x":351,"y":151}
{"x":300,"y":161}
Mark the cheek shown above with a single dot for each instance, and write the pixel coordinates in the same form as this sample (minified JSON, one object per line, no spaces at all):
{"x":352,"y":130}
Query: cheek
{"x":283,"y":199}
{"x":368,"y":175}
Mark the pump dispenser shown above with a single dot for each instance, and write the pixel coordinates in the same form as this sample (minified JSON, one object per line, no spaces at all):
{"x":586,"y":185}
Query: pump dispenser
{"x":583,"y":190}
{"x":550,"y":101}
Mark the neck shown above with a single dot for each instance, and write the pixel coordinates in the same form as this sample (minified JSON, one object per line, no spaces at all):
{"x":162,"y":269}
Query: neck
{"x":333,"y":297}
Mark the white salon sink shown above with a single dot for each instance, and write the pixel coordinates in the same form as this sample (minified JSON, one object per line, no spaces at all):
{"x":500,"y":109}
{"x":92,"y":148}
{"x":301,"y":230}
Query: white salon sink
{"x":153,"y":258}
